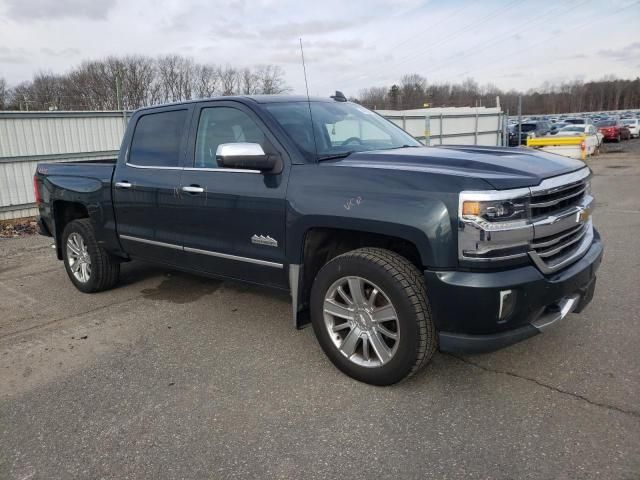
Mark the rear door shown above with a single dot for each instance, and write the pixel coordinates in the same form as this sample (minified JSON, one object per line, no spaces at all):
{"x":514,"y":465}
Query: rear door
{"x":233,"y":220}
{"x":145,"y":185}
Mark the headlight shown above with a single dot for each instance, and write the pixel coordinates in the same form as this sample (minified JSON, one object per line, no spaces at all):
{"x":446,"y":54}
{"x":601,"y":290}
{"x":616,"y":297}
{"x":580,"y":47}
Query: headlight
{"x":494,"y":225}
{"x":495,"y":211}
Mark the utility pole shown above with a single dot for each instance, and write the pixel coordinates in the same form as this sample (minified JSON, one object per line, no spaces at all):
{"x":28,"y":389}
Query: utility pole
{"x":519,"y":120}
{"x":118,"y":91}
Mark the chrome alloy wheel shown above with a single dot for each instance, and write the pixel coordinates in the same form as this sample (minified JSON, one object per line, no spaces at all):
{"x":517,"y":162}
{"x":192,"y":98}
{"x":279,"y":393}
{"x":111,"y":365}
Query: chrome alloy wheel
{"x":78,"y":257}
{"x":361,"y":321}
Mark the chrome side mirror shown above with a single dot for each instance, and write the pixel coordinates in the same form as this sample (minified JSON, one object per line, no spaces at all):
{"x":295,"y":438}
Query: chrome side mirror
{"x":246,"y":156}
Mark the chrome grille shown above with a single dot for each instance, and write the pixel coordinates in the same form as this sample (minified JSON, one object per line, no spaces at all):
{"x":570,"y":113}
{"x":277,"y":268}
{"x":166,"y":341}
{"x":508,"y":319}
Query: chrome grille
{"x":545,"y":203}
{"x":563,"y":230}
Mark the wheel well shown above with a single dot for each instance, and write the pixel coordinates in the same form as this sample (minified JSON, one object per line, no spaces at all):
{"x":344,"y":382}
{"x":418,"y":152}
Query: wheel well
{"x":63,"y":213}
{"x":323,"y":244}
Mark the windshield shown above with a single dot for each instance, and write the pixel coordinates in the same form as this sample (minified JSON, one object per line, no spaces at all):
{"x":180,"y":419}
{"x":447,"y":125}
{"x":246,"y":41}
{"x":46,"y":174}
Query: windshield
{"x":607,"y":123}
{"x":575,"y":120}
{"x":340,"y":128}
{"x":528,"y":127}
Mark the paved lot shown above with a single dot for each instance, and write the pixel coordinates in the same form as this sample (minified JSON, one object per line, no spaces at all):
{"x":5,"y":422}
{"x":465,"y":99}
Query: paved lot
{"x":174,"y":376}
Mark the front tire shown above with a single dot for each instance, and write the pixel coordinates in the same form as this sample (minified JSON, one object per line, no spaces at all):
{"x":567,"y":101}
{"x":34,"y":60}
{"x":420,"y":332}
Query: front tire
{"x":89,"y":266}
{"x":371,"y":316}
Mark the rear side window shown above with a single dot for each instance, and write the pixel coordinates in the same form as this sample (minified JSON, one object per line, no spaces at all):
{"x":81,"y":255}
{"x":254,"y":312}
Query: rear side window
{"x":156,"y":139}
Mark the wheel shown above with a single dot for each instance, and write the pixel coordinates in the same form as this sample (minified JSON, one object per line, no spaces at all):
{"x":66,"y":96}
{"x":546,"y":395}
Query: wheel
{"x":89,"y":266}
{"x":371,"y":316}
{"x":618,"y":138}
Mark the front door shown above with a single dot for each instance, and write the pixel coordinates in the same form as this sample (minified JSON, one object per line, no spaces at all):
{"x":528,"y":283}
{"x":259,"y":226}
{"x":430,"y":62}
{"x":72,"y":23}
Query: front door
{"x":145,"y":185}
{"x":233,"y":221}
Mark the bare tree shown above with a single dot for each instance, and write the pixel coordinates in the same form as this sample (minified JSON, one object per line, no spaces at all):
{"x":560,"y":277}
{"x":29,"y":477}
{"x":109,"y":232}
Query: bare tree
{"x":206,"y":81}
{"x":4,"y":94}
{"x":248,"y":82}
{"x":229,"y":80}
{"x":271,"y":80}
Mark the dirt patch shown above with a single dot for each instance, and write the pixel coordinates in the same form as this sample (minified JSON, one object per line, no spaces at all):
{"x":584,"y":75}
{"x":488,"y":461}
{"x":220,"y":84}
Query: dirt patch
{"x":18,"y":228}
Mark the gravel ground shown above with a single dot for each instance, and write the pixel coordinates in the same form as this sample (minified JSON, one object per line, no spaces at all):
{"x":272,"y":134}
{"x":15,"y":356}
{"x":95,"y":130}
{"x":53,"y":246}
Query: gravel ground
{"x":174,"y":376}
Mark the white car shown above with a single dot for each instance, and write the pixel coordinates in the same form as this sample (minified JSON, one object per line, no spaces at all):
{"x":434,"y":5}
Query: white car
{"x":593,"y":138}
{"x":634,"y":126}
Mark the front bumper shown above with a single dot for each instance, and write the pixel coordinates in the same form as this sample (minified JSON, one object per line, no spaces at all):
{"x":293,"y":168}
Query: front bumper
{"x":466,"y":305}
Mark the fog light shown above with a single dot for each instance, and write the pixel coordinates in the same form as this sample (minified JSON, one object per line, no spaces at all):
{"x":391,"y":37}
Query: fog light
{"x":507,"y":304}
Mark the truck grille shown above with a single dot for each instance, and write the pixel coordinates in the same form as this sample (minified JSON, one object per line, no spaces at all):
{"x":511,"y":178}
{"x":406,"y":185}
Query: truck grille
{"x":558,"y":250}
{"x":563,"y":233}
{"x":548,"y":202}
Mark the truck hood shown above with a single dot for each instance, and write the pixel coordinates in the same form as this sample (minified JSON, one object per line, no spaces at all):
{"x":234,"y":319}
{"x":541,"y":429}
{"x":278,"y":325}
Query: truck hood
{"x":501,"y":167}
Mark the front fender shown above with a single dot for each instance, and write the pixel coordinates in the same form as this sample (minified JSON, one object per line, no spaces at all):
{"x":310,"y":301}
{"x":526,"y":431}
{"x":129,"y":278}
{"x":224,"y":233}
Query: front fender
{"x":341,"y":198}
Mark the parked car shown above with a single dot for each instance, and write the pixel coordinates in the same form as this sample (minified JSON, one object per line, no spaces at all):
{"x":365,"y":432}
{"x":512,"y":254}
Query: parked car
{"x":529,"y":129}
{"x":614,"y":130}
{"x":555,"y":128}
{"x":391,"y":249}
{"x":633,"y":124}
{"x":577,"y":120}
{"x":592,"y":137}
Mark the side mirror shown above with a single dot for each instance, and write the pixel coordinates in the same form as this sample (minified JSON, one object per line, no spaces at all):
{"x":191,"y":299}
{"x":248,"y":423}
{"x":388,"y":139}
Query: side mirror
{"x":246,"y":156}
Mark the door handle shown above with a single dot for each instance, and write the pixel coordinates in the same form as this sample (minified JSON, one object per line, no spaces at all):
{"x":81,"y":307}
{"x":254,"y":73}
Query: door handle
{"x":192,"y":189}
{"x":124,"y":184}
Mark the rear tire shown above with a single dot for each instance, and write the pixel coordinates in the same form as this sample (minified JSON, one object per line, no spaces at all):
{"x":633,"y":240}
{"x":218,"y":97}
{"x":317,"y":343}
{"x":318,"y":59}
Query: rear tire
{"x":383,"y":334}
{"x":89,"y":266}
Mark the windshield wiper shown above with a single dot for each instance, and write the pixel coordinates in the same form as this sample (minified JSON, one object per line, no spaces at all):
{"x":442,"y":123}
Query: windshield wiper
{"x":334,"y":155}
{"x":403,"y":146}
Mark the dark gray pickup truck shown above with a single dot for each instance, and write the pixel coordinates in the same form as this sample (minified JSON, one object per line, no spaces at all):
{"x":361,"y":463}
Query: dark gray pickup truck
{"x":391,"y":250}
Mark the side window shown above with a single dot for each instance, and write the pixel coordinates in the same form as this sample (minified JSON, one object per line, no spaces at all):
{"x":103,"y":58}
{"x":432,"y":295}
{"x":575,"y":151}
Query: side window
{"x":156,"y":139}
{"x":218,"y":125}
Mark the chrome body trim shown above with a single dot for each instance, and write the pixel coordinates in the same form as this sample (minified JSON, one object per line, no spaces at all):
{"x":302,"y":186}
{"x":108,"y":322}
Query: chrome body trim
{"x":122,"y":185}
{"x":240,"y":149}
{"x":151,"y":167}
{"x":503,"y":294}
{"x":228,"y":170}
{"x":192,"y":189}
{"x":560,"y":182}
{"x":150,"y":242}
{"x":227,"y":256}
{"x":193,"y":169}
{"x":565,"y":307}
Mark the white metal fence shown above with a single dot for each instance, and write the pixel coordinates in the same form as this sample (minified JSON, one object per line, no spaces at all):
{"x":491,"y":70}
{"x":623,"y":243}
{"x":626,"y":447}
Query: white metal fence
{"x":452,"y":126}
{"x":27,"y":138}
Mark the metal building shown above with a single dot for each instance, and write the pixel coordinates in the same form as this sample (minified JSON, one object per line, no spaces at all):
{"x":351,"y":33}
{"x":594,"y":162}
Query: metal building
{"x":27,"y":138}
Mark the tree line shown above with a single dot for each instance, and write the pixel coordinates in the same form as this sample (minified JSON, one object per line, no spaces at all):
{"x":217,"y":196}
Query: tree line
{"x":135,"y":81}
{"x":413,"y":91}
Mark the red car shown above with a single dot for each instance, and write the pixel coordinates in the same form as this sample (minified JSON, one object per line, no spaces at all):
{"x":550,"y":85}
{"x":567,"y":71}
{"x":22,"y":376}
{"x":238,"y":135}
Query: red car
{"x":614,"y":130}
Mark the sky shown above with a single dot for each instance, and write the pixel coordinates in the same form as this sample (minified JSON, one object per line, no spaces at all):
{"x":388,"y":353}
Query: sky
{"x":348,"y":45}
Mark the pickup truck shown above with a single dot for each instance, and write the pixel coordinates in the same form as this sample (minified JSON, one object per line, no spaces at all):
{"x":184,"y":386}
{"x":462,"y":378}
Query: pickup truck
{"x":390,"y":249}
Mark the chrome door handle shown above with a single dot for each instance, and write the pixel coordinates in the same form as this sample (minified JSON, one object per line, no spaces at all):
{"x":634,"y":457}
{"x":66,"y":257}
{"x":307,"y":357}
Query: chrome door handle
{"x":123,"y":185}
{"x":192,"y":189}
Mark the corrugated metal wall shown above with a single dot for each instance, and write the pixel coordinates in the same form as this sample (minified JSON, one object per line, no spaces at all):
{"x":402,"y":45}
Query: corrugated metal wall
{"x":27,"y":138}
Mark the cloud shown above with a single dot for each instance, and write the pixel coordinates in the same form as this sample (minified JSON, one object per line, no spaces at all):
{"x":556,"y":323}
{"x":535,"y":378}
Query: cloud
{"x":623,"y":54}
{"x":49,"y":9}
{"x":310,"y":27}
{"x":13,"y":55}
{"x":62,"y":52}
